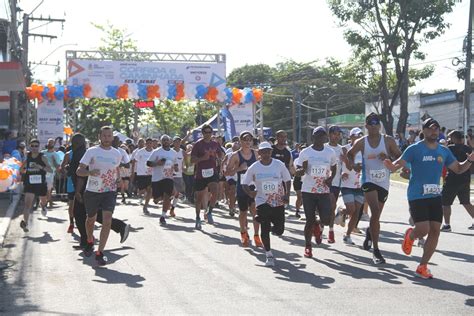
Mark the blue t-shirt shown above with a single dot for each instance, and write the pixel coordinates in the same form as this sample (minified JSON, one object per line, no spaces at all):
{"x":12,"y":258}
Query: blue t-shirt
{"x":426,"y":167}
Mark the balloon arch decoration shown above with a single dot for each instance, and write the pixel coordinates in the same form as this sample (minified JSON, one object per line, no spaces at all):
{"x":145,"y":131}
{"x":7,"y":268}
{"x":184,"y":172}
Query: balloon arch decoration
{"x":164,"y":76}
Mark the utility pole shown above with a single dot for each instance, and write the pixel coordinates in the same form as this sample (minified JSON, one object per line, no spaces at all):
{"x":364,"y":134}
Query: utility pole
{"x":467,"y":77}
{"x":293,"y":114}
{"x":15,"y":45}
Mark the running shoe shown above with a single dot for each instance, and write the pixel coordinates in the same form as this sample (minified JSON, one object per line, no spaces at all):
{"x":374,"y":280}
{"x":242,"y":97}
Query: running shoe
{"x":24,"y":226}
{"x":446,"y":228}
{"x":471,"y":227}
{"x":410,"y":221}
{"x":198,"y":223}
{"x":377,"y":257}
{"x":124,"y":233}
{"x":145,"y":211}
{"x":297,"y":214}
{"x":348,"y":240}
{"x":44,"y":211}
{"x":339,"y":219}
{"x":210,"y":220}
{"x":423,"y":272}
{"x":244,"y":237}
{"x":368,"y":240}
{"x":100,"y":258}
{"x":331,"y":239}
{"x":70,"y":229}
{"x":421,"y":242}
{"x":124,"y":201}
{"x":231,"y":212}
{"x":270,"y":262}
{"x":172,"y":213}
{"x":89,"y":249}
{"x":317,"y":233}
{"x":258,"y":241}
{"x":308,"y":252}
{"x":162,"y":220}
{"x":365,"y":217}
{"x":407,"y":243}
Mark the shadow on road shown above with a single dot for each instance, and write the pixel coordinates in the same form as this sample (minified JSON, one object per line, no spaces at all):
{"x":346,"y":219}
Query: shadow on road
{"x":222,"y":239}
{"x":50,"y":219}
{"x":457,"y":256}
{"x":110,"y":276}
{"x":171,"y":226}
{"x":45,"y":239}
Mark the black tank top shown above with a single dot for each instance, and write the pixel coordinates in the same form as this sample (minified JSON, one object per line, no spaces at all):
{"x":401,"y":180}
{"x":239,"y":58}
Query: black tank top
{"x":249,"y":162}
{"x":32,"y":170}
{"x":283,"y":155}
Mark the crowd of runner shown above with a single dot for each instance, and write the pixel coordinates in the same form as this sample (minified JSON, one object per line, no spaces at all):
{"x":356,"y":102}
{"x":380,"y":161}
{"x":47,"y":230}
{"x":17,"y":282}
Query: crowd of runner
{"x":254,"y":178}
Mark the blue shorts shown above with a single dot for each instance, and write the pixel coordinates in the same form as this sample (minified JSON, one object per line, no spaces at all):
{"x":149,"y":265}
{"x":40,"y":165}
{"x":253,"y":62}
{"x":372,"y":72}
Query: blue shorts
{"x":352,"y":195}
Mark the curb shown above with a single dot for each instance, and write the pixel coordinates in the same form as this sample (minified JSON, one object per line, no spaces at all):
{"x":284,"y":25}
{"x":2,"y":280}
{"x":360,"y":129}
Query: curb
{"x":5,"y":222}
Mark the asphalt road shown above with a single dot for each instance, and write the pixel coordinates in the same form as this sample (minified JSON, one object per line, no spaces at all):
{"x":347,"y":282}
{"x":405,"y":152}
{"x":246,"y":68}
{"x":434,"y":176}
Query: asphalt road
{"x":177,"y":270}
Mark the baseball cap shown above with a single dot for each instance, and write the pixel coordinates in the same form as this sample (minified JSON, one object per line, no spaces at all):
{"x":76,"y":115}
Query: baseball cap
{"x":176,"y":138}
{"x":335,"y":129}
{"x":372,"y":119}
{"x":456,"y":134}
{"x":430,"y":122}
{"x":264,"y":145}
{"x":319,"y":129}
{"x":355,"y":131}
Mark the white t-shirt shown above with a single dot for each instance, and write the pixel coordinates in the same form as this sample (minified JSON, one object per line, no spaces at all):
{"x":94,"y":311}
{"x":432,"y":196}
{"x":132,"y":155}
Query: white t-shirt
{"x":125,"y":158}
{"x":353,"y":179}
{"x":336,"y":182}
{"x":268,"y":182}
{"x":319,"y":169}
{"x":107,"y":162}
{"x":141,"y":157}
{"x":180,"y":160}
{"x":166,"y":171}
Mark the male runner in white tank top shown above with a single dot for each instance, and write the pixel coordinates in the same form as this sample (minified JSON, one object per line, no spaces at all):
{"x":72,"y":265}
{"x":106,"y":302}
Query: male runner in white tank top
{"x":375,"y":148}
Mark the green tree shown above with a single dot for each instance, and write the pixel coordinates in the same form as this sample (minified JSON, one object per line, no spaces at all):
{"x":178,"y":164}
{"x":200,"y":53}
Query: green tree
{"x":390,"y":34}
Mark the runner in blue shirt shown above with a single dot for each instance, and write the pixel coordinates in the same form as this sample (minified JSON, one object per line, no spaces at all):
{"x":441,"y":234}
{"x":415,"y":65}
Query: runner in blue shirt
{"x":427,"y":159}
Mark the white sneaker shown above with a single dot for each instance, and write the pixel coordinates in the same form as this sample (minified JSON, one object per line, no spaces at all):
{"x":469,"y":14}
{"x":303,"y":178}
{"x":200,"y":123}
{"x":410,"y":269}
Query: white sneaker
{"x":365,"y":217}
{"x":270,"y":262}
{"x":44,"y":211}
{"x":471,"y":227}
{"x":348,"y":240}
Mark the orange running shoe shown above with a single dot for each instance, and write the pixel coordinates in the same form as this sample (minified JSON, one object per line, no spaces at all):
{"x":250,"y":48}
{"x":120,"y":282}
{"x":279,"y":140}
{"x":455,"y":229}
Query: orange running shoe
{"x":258,"y":242}
{"x":423,"y":272}
{"x":245,"y":239}
{"x":407,"y":243}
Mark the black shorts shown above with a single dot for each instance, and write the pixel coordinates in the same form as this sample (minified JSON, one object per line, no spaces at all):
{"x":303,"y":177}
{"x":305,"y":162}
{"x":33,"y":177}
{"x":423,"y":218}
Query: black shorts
{"x":201,"y":184}
{"x":297,"y":183}
{"x":143,"y":182}
{"x":94,"y":201}
{"x":462,"y":191}
{"x":381,"y":192}
{"x":321,"y":203}
{"x":244,"y":202}
{"x":335,"y":191}
{"x":162,"y":187}
{"x":268,"y":215}
{"x":231,"y":182}
{"x":424,"y":210}
{"x":70,"y":195}
{"x":36,"y":189}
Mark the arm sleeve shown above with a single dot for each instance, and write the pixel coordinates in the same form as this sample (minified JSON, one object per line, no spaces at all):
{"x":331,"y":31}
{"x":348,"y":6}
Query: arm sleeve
{"x":302,"y":158}
{"x":125,"y":158}
{"x":285,"y":174}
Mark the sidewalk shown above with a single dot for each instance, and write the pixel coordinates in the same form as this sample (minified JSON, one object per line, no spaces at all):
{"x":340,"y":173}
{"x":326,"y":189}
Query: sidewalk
{"x":8,"y":205}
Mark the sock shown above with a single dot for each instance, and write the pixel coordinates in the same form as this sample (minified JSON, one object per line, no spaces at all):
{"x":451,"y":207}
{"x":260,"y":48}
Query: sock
{"x":331,"y":229}
{"x":163,"y":214}
{"x":269,"y":253}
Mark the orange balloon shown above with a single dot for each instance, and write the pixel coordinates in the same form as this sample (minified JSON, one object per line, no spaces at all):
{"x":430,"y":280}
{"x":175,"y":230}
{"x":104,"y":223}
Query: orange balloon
{"x":50,"y":94}
{"x":179,"y":91}
{"x":68,"y":131}
{"x":236,"y":95}
{"x":153,"y":92}
{"x":66,"y":94}
{"x":122,"y":92}
{"x":4,"y":174}
{"x":258,"y":94}
{"x":211,"y":94}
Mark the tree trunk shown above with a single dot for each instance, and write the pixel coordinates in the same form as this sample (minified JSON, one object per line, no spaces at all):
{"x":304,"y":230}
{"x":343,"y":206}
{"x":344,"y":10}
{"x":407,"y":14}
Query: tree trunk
{"x":402,"y":122}
{"x":387,"y":118}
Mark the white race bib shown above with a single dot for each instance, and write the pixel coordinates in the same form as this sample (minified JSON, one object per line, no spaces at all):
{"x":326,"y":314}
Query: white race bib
{"x":35,"y":179}
{"x":378,"y":175}
{"x":94,"y":183}
{"x":270,"y":187}
{"x":320,"y":171}
{"x":207,"y":173}
{"x":432,"y":189}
